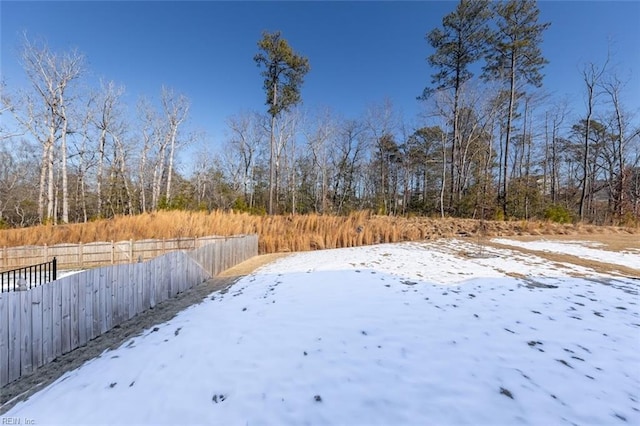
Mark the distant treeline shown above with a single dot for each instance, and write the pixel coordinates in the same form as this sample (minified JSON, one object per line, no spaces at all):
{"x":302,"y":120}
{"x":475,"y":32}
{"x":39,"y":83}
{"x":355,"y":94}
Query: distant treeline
{"x":491,"y":145}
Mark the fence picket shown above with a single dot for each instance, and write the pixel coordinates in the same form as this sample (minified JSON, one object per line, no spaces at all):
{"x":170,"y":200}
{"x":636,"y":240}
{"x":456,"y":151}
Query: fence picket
{"x":116,"y":300}
{"x":85,"y":312}
{"x":143,"y":290}
{"x":153,"y":283}
{"x":13,"y":299}
{"x":139,"y":299}
{"x":75,"y":310}
{"x":26,"y":348}
{"x":110,"y":296}
{"x":56,"y":321}
{"x":96,"y":302}
{"x":102,"y":304}
{"x":47,"y":326}
{"x":4,"y":339}
{"x":36,"y":327}
{"x":66,"y":315}
{"x":131,"y":291}
{"x":123,"y":285}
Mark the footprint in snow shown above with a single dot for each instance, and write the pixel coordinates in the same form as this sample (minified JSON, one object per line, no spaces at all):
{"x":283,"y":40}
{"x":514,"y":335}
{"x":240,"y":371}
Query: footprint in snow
{"x":563,"y":362}
{"x":506,"y":392}
{"x":217,"y":398}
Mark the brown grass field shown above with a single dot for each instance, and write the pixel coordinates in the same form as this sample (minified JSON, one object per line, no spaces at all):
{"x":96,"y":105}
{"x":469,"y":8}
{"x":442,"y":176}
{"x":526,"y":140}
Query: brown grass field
{"x":280,"y":234}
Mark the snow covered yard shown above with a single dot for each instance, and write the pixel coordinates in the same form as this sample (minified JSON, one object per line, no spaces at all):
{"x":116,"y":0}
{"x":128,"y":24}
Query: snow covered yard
{"x":396,"y":334}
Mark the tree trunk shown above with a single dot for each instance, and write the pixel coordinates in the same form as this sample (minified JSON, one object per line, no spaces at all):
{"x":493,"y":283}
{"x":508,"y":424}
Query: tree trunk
{"x":272,"y":153}
{"x":453,"y":196}
{"x":101,"y":144}
{"x":50,"y":184}
{"x":505,"y":166}
{"x":44,"y":168}
{"x":585,"y":163}
{"x":158,"y":173}
{"x":444,"y":174}
{"x":63,"y":159}
{"x":172,"y":147}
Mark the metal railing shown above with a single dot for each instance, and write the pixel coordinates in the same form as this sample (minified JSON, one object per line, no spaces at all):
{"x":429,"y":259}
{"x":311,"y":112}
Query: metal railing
{"x":28,"y":276}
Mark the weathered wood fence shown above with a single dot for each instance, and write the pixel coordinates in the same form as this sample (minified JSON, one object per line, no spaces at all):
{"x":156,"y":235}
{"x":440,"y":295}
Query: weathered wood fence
{"x":42,"y":323}
{"x":90,"y":255}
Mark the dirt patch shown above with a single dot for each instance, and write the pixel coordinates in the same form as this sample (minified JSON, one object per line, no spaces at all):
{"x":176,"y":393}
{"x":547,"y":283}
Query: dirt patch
{"x":26,"y":386}
{"x":610,"y":242}
{"x":601,"y":267}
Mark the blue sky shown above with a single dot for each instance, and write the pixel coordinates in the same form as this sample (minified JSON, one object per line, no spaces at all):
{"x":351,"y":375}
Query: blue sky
{"x":360,"y":52}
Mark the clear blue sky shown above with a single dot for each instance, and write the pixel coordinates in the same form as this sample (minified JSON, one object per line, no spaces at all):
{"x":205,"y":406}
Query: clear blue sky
{"x":360,"y":52}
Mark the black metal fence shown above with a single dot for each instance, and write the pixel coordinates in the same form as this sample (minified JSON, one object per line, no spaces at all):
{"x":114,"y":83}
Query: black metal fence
{"x":28,"y":277}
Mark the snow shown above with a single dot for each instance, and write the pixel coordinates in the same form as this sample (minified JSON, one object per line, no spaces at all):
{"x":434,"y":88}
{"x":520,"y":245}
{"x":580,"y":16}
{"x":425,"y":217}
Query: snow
{"x":67,"y":272}
{"x":8,"y":283}
{"x":582,"y":249}
{"x":402,"y":334}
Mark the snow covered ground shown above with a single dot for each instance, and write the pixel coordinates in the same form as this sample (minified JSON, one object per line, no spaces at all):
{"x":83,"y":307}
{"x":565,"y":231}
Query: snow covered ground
{"x":10,"y":282}
{"x":584,"y":249}
{"x":402,"y":334}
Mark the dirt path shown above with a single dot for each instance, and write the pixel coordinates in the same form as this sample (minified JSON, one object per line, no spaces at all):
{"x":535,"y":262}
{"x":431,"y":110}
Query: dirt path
{"x":47,"y":374}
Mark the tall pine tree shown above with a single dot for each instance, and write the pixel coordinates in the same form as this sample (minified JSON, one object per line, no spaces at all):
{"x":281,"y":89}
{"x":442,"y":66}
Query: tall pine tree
{"x":460,"y":42}
{"x":515,"y":58}
{"x":283,"y":73}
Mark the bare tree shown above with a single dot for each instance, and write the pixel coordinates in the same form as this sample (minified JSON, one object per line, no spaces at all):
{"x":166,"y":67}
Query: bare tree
{"x":591,"y":74}
{"x":247,"y":136}
{"x":348,"y":150}
{"x":621,"y":136}
{"x":382,"y":123}
{"x":150,"y":134}
{"x":318,"y":136}
{"x":51,"y":75}
{"x":552,"y":150}
{"x":106,"y":117}
{"x":285,"y":154}
{"x":176,"y":110}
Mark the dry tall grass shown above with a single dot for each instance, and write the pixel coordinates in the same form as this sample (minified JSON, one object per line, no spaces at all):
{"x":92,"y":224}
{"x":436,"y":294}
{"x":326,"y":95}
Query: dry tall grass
{"x":288,"y":233}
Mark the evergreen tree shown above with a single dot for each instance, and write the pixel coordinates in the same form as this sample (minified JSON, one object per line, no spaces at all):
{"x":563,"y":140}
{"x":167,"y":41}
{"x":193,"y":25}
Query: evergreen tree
{"x":283,"y":73}
{"x":460,"y":42}
{"x":516,"y":59}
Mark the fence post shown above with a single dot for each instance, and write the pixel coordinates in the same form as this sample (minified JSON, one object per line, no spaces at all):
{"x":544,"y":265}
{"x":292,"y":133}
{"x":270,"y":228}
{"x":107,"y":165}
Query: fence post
{"x":54,"y":264}
{"x":130,"y":250}
{"x":113,"y":253}
{"x":80,"y":254}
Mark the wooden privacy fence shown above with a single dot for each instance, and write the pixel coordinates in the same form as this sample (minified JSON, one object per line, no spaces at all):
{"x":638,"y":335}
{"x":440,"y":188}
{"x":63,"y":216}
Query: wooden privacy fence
{"x":42,"y":323}
{"x":90,"y":255}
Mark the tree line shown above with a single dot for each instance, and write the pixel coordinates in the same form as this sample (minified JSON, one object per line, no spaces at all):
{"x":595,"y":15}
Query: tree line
{"x":490,"y":143}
